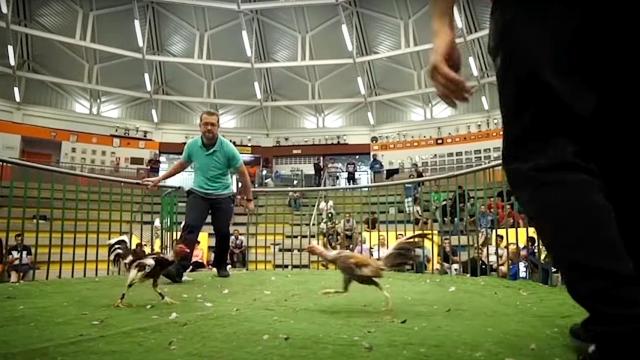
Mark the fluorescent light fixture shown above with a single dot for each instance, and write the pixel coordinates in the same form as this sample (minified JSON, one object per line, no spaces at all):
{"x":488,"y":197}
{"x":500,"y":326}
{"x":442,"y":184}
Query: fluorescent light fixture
{"x":485,"y":104}
{"x":256,"y":86}
{"x":16,"y":93}
{"x":147,"y":81}
{"x":3,"y":6}
{"x":347,"y":38}
{"x":472,"y":63}
{"x":456,"y":16}
{"x":245,"y":40}
{"x":361,"y":85}
{"x":136,"y":24}
{"x":370,"y":116}
{"x":12,"y":59}
{"x":154,"y":114}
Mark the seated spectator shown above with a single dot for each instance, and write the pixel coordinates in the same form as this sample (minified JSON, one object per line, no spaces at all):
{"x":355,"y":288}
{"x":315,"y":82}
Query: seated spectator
{"x":471,"y":211}
{"x":531,"y":247}
{"x":197,"y":259}
{"x":138,"y":252}
{"x":419,"y":220}
{"x":484,"y":224}
{"x":348,"y":232}
{"x":362,"y":248}
{"x":238,"y":250}
{"x":295,"y":200}
{"x":20,"y":259}
{"x":449,"y":260}
{"x":519,"y":267}
{"x":380,"y":250}
{"x":496,"y":257}
{"x":476,"y":266}
{"x":371,"y":222}
{"x":326,"y":208}
{"x":423,"y":259}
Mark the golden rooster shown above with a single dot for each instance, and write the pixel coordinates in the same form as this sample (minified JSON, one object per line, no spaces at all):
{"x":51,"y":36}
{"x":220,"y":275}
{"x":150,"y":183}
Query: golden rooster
{"x":364,"y":270}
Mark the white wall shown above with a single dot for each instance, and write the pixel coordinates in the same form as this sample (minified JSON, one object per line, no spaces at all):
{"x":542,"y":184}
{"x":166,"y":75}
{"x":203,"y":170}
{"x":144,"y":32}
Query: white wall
{"x":10,"y":145}
{"x":102,"y":155}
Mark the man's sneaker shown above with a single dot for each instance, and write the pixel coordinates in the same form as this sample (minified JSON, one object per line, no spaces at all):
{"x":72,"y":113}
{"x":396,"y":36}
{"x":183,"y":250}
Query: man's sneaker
{"x":223,"y":272}
{"x":173,"y":273}
{"x":581,"y":338}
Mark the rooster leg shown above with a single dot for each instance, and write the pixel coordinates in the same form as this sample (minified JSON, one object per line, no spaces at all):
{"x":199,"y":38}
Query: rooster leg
{"x":163,"y":297}
{"x":387,"y":304}
{"x":345,"y":287}
{"x":120,"y":302}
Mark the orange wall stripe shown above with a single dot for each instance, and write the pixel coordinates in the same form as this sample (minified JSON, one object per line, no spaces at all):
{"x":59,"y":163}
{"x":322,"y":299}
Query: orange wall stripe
{"x":41,"y":132}
{"x":443,"y":141}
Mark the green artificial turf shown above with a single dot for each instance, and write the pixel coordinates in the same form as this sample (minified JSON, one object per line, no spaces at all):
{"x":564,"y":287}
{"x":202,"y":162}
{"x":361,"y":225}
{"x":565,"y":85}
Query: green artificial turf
{"x":281,"y":315}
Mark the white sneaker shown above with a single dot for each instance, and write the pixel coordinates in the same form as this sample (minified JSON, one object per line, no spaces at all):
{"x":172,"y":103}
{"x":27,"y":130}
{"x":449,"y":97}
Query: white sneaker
{"x":186,"y":278}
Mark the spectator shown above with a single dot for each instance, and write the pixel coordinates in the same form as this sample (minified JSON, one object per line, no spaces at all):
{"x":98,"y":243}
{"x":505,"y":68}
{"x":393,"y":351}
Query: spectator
{"x":484,"y":224}
{"x":376,"y":168}
{"x":317,"y":172}
{"x":326,"y":208}
{"x":197,"y":260}
{"x":419,"y":219}
{"x":20,"y":259}
{"x":380,"y":250}
{"x":371,"y":222}
{"x":154,"y":165}
{"x":333,"y":172}
{"x":238,"y":250}
{"x":347,"y":231}
{"x":449,"y":259}
{"x":138,"y":251}
{"x":496,"y":257}
{"x":471,"y":210}
{"x":295,"y":200}
{"x":362,"y":249}
{"x":436,"y":202}
{"x":351,"y":168}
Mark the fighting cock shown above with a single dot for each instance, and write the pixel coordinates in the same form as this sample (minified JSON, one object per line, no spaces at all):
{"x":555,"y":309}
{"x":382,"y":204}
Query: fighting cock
{"x":364,"y":270}
{"x":142,"y":268}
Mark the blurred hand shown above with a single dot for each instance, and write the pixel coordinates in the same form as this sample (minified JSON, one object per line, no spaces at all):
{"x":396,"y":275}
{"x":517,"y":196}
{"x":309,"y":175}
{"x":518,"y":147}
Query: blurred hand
{"x":151,"y":182}
{"x":445,"y":67}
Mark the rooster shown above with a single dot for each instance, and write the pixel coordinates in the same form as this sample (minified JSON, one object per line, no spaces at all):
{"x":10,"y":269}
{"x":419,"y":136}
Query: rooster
{"x":142,"y":268}
{"x":364,"y":270}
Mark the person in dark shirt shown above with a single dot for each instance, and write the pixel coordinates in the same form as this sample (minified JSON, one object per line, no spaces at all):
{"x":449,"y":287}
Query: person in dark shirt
{"x":351,"y":172}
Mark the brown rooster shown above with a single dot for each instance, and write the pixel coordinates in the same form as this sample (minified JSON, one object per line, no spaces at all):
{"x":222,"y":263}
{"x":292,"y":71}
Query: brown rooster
{"x":364,"y":270}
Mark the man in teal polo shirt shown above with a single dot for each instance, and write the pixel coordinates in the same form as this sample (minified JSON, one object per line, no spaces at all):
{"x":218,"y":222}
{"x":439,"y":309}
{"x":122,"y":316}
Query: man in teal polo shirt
{"x":213,"y":158}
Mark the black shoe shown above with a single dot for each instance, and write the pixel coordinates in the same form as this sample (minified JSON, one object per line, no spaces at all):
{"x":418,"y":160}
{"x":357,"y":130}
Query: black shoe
{"x":581,"y":338}
{"x":173,"y":273}
{"x":223,"y":272}
{"x":591,"y":354}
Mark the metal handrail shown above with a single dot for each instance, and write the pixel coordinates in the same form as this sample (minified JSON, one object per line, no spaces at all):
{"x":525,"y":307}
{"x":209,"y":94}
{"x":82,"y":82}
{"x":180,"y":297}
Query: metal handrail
{"x":75,"y":173}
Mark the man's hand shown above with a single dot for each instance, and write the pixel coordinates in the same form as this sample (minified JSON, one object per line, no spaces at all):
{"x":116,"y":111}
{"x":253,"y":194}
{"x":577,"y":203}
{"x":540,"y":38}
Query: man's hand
{"x":151,"y":182}
{"x":249,"y":205}
{"x":445,"y":62}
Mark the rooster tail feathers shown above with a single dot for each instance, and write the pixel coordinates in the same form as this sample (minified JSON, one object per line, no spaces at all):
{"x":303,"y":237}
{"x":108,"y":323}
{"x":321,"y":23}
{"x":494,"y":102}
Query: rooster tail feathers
{"x":119,"y":249}
{"x":404,"y":251}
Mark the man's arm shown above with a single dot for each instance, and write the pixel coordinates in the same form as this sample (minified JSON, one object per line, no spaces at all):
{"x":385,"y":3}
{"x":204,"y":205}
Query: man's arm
{"x":177,"y":168}
{"x":247,"y":188}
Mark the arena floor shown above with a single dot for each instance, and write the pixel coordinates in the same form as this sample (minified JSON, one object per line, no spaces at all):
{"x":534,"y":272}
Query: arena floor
{"x":280,"y":314}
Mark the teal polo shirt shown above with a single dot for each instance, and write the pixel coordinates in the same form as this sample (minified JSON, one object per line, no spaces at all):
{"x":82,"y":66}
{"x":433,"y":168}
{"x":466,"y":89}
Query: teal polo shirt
{"x":212,"y":168}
